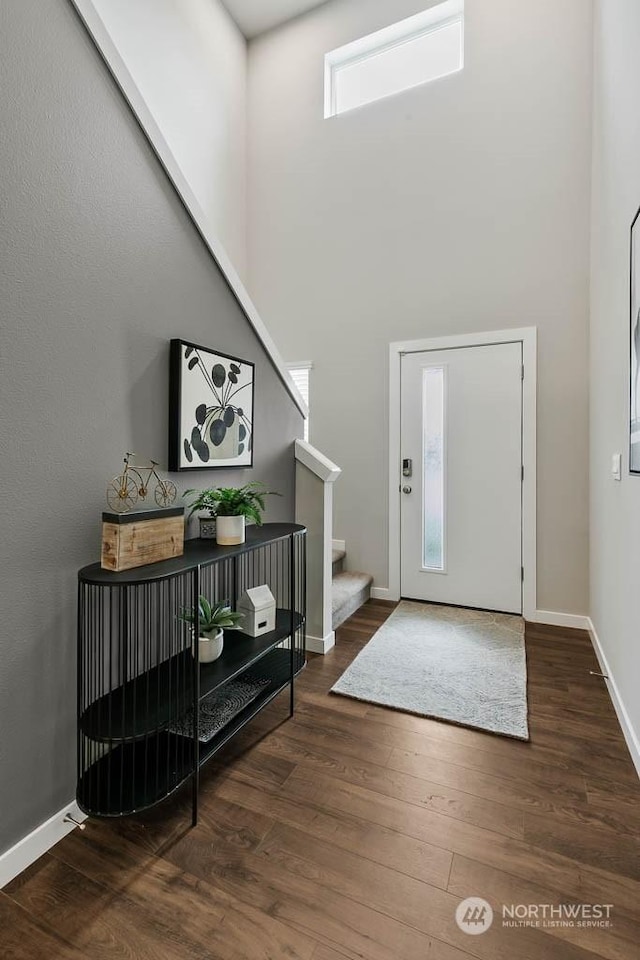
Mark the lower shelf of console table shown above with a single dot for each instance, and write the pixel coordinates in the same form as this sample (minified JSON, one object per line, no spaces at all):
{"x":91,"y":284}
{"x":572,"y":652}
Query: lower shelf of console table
{"x":139,"y":773}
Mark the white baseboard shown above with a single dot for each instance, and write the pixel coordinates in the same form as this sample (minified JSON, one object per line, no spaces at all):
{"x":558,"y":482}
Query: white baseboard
{"x":35,"y":844}
{"x":381,"y":593}
{"x":630,"y":735}
{"x":574,"y":620}
{"x":339,"y":545}
{"x":321,"y":644}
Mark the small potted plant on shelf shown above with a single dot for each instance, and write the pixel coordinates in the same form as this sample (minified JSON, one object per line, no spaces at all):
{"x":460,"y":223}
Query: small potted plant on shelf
{"x":229,"y":507}
{"x":213,"y":619}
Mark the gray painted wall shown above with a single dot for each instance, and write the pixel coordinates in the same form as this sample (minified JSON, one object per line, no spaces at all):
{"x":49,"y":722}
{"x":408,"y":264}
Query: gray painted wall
{"x":615,"y":507}
{"x":99,"y":267}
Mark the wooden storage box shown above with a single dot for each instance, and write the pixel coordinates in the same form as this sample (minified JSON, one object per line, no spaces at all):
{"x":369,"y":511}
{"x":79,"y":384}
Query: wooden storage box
{"x":146,"y":536}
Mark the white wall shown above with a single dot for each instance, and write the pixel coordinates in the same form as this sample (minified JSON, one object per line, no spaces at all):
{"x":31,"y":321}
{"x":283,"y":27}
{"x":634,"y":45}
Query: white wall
{"x":615,"y":507}
{"x":458,"y":206}
{"x":189,"y":61}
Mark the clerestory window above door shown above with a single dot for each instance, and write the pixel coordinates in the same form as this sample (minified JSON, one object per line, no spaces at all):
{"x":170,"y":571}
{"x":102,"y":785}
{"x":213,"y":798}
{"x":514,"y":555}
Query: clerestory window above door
{"x":407,"y":54}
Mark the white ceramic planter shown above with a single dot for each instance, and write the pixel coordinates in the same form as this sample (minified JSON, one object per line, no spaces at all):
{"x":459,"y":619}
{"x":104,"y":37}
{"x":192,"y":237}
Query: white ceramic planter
{"x":230,"y":530}
{"x":210,"y":646}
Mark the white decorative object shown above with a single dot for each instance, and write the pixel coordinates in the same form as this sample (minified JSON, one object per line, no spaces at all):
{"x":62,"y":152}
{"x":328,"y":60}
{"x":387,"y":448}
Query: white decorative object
{"x":230,"y":530}
{"x":258,"y":607}
{"x":210,"y":646}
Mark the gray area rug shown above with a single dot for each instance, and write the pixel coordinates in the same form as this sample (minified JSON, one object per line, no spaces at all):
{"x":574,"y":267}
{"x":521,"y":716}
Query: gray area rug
{"x":463,"y":666}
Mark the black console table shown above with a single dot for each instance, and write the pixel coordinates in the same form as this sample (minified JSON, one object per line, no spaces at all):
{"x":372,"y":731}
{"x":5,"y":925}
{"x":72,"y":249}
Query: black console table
{"x":149,"y":715}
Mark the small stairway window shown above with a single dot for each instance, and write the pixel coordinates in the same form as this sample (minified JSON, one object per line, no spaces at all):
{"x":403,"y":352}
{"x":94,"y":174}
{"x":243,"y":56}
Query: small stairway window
{"x":415,"y":51}
{"x":300,"y":373}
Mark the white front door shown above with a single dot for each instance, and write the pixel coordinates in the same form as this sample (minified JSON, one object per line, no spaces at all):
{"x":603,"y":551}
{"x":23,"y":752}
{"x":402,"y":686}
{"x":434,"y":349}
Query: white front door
{"x":461,"y":483}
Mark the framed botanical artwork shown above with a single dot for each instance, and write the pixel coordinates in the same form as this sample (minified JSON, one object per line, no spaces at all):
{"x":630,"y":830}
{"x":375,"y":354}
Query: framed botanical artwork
{"x":634,"y":425}
{"x":210,"y":409}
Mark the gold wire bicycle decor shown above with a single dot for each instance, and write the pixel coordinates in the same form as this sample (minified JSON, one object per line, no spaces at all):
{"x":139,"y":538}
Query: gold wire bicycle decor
{"x":124,"y":491}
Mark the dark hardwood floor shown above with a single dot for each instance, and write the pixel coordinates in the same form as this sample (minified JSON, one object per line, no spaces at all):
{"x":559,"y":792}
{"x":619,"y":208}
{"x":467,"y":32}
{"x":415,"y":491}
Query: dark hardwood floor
{"x":354,"y":831}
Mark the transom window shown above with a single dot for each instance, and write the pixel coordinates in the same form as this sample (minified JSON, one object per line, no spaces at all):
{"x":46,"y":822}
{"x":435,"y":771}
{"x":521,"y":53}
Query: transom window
{"x":406,"y":54}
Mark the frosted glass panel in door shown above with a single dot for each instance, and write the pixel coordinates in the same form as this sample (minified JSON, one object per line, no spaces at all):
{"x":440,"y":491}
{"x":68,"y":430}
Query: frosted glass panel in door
{"x":433,"y":399}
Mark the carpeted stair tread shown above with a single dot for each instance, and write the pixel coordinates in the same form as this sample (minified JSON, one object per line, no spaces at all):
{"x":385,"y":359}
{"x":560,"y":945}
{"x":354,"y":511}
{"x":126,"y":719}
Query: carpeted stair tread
{"x":337,"y":559}
{"x":349,"y":591}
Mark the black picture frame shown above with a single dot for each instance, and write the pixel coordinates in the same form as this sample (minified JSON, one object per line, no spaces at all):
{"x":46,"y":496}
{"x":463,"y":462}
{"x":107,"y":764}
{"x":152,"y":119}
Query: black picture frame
{"x":634,"y":347}
{"x":206,"y":430}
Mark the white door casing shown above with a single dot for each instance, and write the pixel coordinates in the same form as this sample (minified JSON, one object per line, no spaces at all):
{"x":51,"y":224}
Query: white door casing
{"x":461,"y":511}
{"x":526,"y":338}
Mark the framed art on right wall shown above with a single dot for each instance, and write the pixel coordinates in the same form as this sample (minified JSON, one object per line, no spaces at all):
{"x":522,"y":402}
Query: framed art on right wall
{"x":634,"y":419}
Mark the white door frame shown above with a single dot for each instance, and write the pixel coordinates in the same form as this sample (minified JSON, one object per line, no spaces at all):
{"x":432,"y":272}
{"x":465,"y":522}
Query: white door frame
{"x":528,"y":337}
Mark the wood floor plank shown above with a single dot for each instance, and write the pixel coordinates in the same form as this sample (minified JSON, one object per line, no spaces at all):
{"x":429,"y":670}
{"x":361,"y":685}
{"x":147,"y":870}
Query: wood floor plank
{"x":615,"y":795}
{"x":504,"y":788}
{"x":23,"y":937}
{"x":164,"y":825}
{"x":332,"y":736}
{"x":436,"y":950}
{"x":564,"y":804}
{"x":600,"y":847}
{"x":573,"y":637}
{"x":550,"y":755}
{"x":574,"y":708}
{"x":417,"y":859}
{"x":304,"y":904}
{"x":581,"y":757}
{"x":428,"y":794}
{"x":326,"y":953}
{"x":506,"y":757}
{"x":567,"y":876}
{"x":353,"y":708}
{"x":224,"y":925}
{"x":89,"y":917}
{"x":590,"y":731}
{"x":545,"y":682}
{"x":543,"y":648}
{"x":266,"y":768}
{"x":418,"y":905}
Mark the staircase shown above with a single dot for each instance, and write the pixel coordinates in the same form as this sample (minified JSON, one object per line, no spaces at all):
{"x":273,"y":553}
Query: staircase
{"x":349,"y":589}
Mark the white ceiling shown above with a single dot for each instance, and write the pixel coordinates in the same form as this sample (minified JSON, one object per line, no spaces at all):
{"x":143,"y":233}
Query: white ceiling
{"x":256,"y":16}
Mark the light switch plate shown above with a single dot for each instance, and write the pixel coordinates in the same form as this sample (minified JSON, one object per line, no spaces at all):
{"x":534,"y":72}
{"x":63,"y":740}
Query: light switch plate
{"x":616,"y":466}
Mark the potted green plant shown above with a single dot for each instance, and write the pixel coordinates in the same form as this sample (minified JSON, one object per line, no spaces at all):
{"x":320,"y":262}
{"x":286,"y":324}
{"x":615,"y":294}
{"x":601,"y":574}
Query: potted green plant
{"x":213,"y":619}
{"x":230,"y":507}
